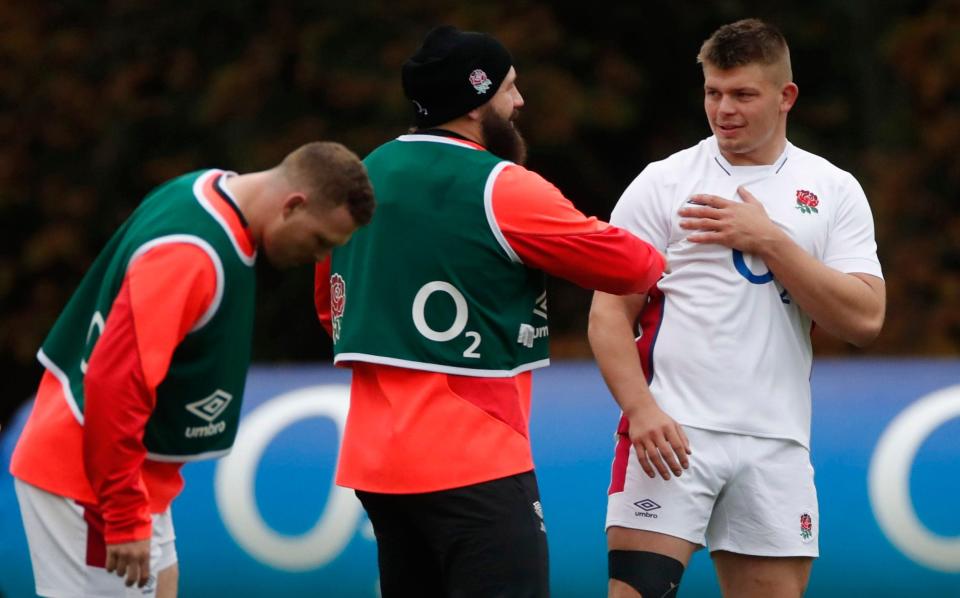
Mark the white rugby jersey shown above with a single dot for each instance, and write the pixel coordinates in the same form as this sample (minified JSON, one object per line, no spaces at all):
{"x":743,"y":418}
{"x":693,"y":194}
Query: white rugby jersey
{"x":723,"y":345}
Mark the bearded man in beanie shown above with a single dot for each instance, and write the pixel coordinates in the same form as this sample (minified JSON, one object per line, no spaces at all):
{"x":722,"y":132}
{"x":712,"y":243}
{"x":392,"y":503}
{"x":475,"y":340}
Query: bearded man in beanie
{"x":439,"y":308}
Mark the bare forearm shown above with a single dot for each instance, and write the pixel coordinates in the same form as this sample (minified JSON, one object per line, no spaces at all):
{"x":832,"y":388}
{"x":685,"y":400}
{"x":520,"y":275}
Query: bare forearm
{"x":848,"y":306}
{"x":660,"y":442}
{"x":611,"y":336}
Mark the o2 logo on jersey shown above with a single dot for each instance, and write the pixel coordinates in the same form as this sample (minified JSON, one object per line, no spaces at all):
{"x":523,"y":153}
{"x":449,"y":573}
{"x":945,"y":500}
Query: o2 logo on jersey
{"x":741,"y":265}
{"x":459,"y":320}
{"x":744,"y":270}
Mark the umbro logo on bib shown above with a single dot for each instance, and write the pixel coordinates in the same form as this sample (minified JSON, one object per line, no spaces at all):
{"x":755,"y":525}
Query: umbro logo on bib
{"x":209,"y":409}
{"x":541,"y":308}
{"x":528,"y":334}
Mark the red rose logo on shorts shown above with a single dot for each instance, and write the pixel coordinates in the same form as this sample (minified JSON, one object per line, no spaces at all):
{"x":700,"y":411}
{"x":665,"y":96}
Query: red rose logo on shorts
{"x":338,"y":299}
{"x":480,"y":82}
{"x":807,"y":202}
{"x":806,"y":527}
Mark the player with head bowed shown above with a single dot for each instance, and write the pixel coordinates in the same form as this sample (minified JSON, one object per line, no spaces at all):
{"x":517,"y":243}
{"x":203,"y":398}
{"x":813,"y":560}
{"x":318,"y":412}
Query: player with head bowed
{"x":146,"y":365}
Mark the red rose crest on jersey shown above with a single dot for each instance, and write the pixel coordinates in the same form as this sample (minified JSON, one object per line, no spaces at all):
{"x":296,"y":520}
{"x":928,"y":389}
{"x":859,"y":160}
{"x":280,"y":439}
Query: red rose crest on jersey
{"x":807,"y":202}
{"x":806,"y":527}
{"x":479,"y":80}
{"x":338,"y":299}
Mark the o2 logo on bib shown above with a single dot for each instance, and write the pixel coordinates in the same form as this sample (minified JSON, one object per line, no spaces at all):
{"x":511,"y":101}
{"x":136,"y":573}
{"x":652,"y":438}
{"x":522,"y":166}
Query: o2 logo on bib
{"x":461,"y":312}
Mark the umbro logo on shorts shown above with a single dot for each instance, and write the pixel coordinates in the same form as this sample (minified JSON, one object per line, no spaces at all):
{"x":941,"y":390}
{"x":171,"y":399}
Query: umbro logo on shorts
{"x":538,"y":509}
{"x":646,"y":505}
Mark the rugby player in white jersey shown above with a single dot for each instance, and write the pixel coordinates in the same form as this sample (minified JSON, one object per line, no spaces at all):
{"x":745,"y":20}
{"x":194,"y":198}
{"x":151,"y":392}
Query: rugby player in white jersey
{"x":763,"y":241}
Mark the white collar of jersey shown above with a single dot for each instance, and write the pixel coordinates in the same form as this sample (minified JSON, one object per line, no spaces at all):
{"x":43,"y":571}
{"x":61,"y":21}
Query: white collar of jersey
{"x":764,"y":169}
{"x":437,"y":139}
{"x":205,"y":202}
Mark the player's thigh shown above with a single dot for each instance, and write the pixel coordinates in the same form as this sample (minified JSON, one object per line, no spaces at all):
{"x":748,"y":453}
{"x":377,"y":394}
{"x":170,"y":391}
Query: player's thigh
{"x":493,"y":540}
{"x":407,"y":563}
{"x":57,"y":540}
{"x":746,"y":576}
{"x":769,"y":507}
{"x":621,"y":538}
{"x":67,"y":549}
{"x":163,"y":555}
{"x":167,"y":581}
{"x":643,"y":551}
{"x":680,"y":506}
{"x":655,"y":525}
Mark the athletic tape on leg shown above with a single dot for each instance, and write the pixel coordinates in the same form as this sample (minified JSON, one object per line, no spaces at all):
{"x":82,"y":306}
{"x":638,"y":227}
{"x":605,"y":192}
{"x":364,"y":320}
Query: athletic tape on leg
{"x":653,"y":575}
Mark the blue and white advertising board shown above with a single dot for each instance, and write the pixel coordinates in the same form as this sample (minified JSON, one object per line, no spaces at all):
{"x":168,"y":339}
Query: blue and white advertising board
{"x":267,"y":520}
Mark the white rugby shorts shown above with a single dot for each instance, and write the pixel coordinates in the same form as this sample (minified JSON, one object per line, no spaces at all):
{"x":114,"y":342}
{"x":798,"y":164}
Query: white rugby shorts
{"x":743,"y":494}
{"x":63,"y":545}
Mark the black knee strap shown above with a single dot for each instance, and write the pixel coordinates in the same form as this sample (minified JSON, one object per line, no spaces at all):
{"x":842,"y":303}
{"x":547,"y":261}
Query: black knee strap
{"x":653,"y":575}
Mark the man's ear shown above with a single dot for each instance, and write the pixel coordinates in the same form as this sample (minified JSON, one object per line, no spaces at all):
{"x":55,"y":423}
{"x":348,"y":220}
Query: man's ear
{"x":293,"y":202}
{"x":788,"y":96}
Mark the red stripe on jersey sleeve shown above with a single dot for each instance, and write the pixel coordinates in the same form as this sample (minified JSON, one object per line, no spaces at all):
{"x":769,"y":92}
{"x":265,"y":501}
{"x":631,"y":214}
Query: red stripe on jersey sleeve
{"x":321,"y":294}
{"x":621,"y":458}
{"x":649,"y":322}
{"x":548,"y":233}
{"x":165,"y":292}
{"x":96,"y":546}
{"x":117,"y":406}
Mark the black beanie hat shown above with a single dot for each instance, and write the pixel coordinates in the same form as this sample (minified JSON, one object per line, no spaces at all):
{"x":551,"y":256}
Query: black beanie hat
{"x":452,"y":73}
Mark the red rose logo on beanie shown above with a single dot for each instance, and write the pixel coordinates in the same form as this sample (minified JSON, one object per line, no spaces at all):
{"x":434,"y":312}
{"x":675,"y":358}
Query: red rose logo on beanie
{"x":479,"y":80}
{"x":338,"y":299}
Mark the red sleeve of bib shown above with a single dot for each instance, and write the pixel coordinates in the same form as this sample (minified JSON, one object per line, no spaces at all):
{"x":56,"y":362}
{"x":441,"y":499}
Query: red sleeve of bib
{"x":321,"y":294}
{"x":165,"y":292}
{"x":547,"y":232}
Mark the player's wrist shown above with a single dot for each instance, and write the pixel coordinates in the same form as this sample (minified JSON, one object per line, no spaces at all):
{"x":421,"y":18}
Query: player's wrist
{"x":640,"y":407}
{"x":123,"y":534}
{"x":771,"y":243}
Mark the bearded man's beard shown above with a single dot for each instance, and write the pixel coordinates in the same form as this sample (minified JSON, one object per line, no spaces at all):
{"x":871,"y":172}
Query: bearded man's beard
{"x":502,"y":138}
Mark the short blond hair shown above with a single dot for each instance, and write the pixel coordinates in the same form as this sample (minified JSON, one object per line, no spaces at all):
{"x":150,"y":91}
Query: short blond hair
{"x":331,"y":175}
{"x":750,"y":41}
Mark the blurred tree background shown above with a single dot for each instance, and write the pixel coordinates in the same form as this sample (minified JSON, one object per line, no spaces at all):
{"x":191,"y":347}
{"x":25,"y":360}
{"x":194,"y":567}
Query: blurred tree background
{"x":101,"y":101}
